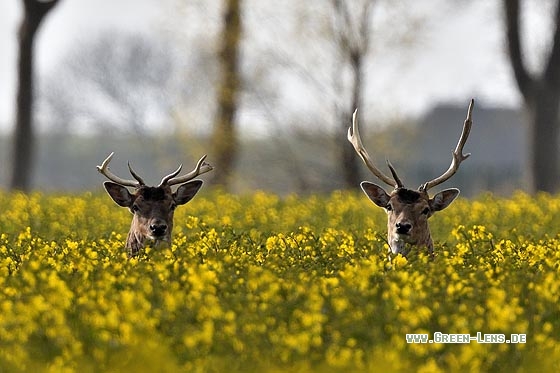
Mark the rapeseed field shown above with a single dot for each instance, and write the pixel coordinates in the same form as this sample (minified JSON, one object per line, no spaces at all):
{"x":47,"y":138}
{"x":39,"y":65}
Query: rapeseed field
{"x":268,"y":284}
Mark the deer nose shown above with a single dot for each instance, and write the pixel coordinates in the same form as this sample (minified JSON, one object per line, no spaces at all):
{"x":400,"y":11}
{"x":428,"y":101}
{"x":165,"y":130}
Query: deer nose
{"x":158,"y":229}
{"x":403,"y":227}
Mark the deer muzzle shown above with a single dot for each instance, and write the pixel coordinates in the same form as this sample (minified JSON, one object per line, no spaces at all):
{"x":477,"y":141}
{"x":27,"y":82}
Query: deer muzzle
{"x":403,"y":227}
{"x":158,"y":228}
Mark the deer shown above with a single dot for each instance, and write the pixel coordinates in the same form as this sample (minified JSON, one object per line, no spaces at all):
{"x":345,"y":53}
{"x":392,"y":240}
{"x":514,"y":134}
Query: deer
{"x":408,"y":210}
{"x":152,"y":207}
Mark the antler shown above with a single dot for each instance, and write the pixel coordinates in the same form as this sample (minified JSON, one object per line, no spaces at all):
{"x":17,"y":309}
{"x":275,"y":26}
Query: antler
{"x":135,"y":175}
{"x":104,"y":169}
{"x":354,"y":138}
{"x":201,"y":167}
{"x":458,"y":155}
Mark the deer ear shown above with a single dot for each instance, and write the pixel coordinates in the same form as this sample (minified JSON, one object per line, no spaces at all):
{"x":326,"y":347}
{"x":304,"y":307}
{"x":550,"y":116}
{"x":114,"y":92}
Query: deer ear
{"x":186,"y":192}
{"x":119,"y":194}
{"x":376,"y":194}
{"x":443,"y":199}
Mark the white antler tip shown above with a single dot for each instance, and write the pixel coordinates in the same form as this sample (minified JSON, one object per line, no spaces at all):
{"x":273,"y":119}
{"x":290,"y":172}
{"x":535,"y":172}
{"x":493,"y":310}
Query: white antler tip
{"x":355,"y":117}
{"x":104,"y":170}
{"x":354,"y":127}
{"x":202,"y":163}
{"x":470,"y":109}
{"x":105,"y":162}
{"x":200,"y":168}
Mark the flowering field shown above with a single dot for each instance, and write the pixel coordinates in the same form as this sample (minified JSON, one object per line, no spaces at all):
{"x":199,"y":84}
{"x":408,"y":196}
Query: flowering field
{"x":269,"y":284}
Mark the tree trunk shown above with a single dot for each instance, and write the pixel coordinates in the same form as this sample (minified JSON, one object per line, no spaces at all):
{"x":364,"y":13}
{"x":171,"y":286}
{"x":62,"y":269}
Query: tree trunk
{"x":225,"y":141}
{"x":544,"y":142}
{"x":23,"y":151}
{"x":541,"y":94}
{"x":349,"y":159}
{"x":23,"y":136}
{"x":353,"y":35}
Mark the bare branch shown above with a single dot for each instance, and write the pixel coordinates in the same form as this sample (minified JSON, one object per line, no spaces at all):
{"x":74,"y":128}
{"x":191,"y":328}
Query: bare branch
{"x":552,"y":72}
{"x":39,"y":8}
{"x":353,"y":32}
{"x":522,"y":76}
{"x":365,"y":25}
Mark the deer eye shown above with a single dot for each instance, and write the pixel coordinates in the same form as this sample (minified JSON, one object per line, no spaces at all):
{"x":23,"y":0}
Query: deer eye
{"x":425,"y":211}
{"x":135,"y":208}
{"x":389,"y":207}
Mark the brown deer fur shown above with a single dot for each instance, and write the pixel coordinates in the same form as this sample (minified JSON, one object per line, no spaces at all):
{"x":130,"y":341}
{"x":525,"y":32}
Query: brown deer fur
{"x":408,"y":212}
{"x":152,"y":209}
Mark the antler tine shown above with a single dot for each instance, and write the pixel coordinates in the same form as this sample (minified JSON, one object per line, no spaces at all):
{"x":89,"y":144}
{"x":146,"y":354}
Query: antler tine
{"x":458,"y":155}
{"x":356,"y":141}
{"x":395,"y":176}
{"x":135,"y":175}
{"x":201,"y":168}
{"x":104,"y":170}
{"x":171,"y":175}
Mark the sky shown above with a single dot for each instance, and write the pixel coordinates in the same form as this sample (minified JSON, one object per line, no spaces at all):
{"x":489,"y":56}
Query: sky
{"x":460,"y":54}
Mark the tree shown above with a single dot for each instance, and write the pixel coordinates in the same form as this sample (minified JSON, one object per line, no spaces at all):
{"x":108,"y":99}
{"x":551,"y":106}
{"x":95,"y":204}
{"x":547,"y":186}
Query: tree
{"x":352,"y":36}
{"x":541,"y":95}
{"x":225,"y":140}
{"x":115,"y":82}
{"x":22,"y":158}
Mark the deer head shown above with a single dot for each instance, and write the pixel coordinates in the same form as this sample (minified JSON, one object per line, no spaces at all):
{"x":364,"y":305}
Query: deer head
{"x":152,"y":207}
{"x":408,"y":210}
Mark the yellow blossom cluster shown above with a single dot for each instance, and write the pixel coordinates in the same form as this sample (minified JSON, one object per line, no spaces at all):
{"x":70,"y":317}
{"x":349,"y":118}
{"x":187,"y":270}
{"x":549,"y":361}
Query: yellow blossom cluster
{"x":268,"y":284}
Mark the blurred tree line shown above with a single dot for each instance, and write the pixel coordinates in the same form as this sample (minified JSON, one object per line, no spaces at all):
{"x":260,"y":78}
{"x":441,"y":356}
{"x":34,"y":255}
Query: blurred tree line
{"x":194,"y":83}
